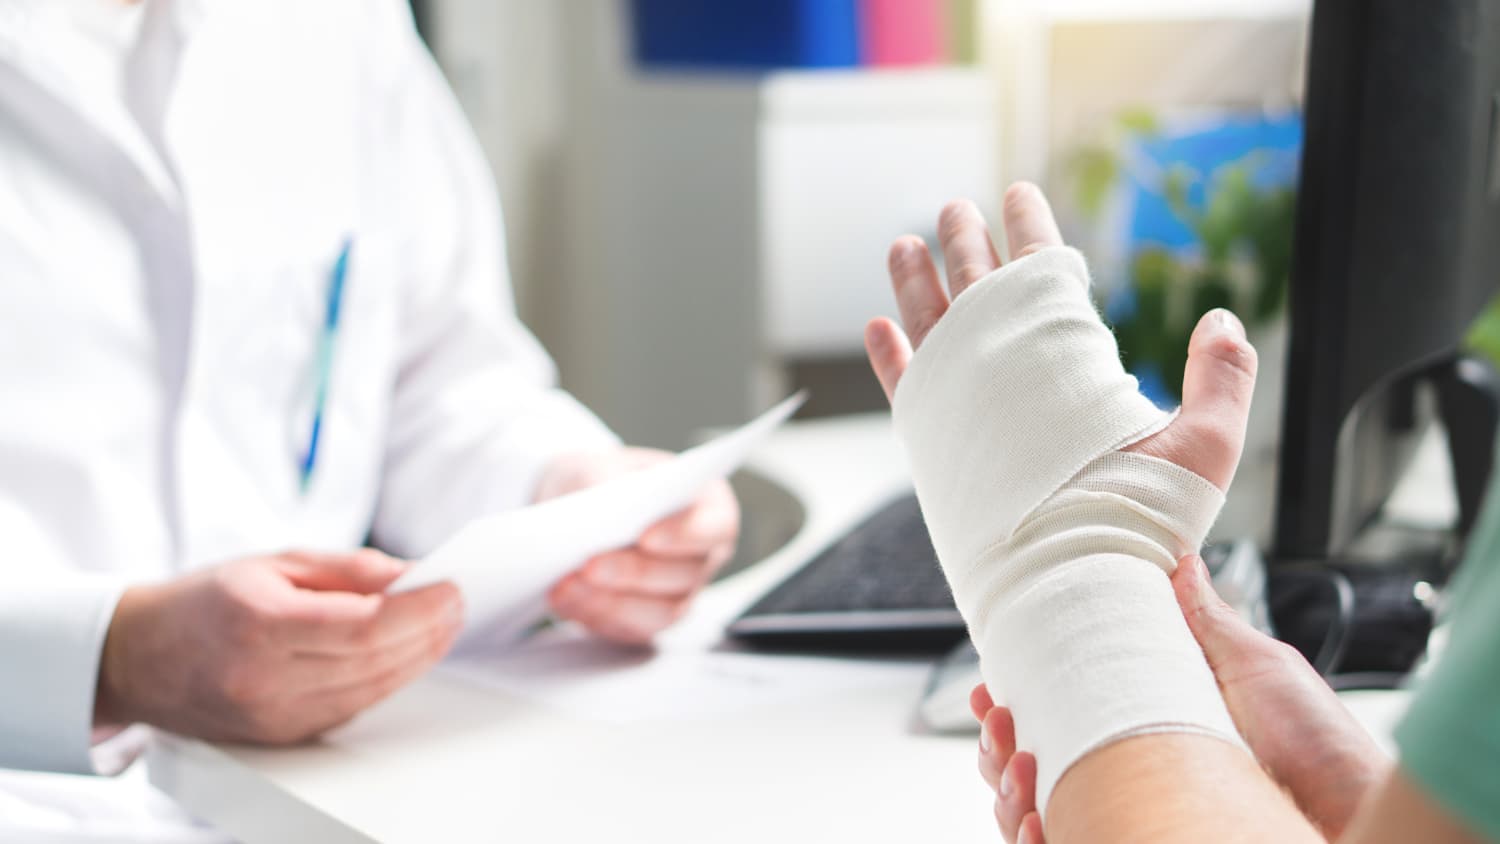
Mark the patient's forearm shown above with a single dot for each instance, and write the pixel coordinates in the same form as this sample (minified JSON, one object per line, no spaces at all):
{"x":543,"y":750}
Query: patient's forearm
{"x":1172,"y":787}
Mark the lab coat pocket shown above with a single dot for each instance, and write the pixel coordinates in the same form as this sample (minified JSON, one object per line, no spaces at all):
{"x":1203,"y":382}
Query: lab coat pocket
{"x":271,"y":357}
{"x":347,"y":370}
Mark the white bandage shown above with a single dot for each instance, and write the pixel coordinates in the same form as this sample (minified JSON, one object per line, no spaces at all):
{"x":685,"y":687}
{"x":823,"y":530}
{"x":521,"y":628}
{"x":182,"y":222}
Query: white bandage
{"x":1057,"y":544}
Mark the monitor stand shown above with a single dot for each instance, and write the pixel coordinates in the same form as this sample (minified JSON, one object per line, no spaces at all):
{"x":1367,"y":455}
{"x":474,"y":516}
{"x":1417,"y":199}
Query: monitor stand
{"x":1468,"y":391}
{"x":1365,"y":616}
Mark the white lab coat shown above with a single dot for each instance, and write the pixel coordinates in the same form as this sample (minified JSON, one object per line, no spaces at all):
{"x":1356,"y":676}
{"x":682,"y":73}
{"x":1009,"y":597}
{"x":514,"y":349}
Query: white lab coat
{"x":165,"y":255}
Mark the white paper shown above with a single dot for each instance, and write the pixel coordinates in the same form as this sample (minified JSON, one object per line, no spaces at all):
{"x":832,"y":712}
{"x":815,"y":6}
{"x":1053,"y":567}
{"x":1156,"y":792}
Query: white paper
{"x":505,"y":563}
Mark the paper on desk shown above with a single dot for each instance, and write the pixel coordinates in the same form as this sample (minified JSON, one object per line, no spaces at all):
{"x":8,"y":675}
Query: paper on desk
{"x":568,"y":670}
{"x":505,"y":563}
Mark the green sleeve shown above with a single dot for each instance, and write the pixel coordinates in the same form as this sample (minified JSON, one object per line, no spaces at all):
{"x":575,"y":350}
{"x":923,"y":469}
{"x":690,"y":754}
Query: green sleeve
{"x":1450,"y":738}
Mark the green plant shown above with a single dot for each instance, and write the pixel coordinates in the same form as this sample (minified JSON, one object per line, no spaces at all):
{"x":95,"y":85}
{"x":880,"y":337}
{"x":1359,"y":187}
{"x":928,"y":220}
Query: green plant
{"x":1484,"y":334}
{"x":1244,"y":235}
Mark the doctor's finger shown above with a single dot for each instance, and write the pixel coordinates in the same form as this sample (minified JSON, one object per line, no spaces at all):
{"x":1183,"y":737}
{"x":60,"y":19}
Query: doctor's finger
{"x":314,"y":673}
{"x":636,"y":572}
{"x":919,"y":293}
{"x":396,"y":617}
{"x":333,"y":707}
{"x":362,"y":571}
{"x":1029,"y":224}
{"x":968,"y":250}
{"x":616,"y":615}
{"x":707,"y":523}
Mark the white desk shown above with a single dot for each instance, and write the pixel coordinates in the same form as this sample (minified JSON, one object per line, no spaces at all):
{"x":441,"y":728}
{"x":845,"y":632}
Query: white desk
{"x":449,"y":761}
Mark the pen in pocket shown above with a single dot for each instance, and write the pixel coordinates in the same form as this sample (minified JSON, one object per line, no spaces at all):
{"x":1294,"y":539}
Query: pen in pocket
{"x":327,"y":336}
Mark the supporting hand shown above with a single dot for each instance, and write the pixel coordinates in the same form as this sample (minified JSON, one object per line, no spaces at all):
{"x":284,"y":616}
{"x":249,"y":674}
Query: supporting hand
{"x":1298,"y":729}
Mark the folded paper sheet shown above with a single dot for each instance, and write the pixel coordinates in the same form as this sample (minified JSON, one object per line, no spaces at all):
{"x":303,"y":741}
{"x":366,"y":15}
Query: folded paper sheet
{"x":505,"y":563}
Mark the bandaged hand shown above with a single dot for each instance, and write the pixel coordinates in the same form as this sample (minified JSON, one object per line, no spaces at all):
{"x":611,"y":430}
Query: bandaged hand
{"x":1058,"y":498}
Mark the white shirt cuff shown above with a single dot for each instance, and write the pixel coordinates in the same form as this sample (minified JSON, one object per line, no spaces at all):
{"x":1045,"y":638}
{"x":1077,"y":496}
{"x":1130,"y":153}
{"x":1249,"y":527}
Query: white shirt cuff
{"x":51,"y":637}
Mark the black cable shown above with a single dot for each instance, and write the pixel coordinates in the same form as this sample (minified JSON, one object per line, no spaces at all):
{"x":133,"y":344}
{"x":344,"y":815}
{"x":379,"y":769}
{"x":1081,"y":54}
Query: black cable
{"x":1341,"y":625}
{"x":1379,"y":680}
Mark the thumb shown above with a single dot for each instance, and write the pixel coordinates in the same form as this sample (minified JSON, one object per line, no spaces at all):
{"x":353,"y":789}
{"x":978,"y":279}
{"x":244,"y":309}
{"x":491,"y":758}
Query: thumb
{"x":1222,"y":634}
{"x":1217,"y":385}
{"x":364,"y":571}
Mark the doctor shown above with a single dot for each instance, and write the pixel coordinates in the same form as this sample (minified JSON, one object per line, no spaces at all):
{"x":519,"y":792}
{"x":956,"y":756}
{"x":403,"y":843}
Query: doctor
{"x":252,"y":299}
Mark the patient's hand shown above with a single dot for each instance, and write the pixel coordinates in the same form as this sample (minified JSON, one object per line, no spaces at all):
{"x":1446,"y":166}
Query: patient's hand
{"x":1208,"y":434}
{"x":631,"y":594}
{"x":1298,"y":729}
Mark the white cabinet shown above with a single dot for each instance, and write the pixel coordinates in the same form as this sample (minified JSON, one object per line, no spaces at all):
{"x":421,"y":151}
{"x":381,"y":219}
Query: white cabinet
{"x":740,"y":223}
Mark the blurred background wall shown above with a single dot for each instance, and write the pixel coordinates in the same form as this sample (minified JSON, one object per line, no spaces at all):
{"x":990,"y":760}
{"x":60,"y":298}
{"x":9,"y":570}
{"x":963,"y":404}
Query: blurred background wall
{"x":692,"y":241}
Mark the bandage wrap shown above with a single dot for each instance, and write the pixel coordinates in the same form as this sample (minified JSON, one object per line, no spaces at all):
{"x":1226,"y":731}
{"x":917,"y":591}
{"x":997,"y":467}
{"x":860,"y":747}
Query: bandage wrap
{"x":1058,"y":545}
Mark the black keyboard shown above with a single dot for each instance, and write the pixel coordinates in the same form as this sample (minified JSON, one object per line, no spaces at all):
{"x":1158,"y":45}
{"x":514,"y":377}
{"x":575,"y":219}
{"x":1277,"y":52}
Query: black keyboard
{"x":877,"y":588}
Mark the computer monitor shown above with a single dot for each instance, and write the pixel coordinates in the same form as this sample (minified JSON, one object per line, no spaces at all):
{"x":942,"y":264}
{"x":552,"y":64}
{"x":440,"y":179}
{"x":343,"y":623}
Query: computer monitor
{"x":1396,"y":251}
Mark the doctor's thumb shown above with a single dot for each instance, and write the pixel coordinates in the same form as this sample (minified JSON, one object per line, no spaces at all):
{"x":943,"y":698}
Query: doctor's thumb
{"x":364,"y":570}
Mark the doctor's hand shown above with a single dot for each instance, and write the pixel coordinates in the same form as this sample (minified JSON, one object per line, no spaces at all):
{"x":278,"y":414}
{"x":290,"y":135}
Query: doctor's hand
{"x":1298,"y":729}
{"x":270,"y":650}
{"x":631,"y":594}
{"x":1208,"y":434}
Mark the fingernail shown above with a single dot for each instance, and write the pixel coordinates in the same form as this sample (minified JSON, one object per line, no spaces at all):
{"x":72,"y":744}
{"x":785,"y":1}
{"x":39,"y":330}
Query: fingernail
{"x":1005,"y":782}
{"x":1024,"y":837}
{"x":985,"y":743}
{"x":1229,"y":322}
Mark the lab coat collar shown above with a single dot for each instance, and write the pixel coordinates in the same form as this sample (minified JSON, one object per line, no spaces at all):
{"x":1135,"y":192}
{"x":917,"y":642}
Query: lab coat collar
{"x":29,"y":44}
{"x":19,"y":17}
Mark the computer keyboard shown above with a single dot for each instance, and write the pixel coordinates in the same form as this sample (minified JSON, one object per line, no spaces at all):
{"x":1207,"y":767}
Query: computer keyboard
{"x":878,"y":587}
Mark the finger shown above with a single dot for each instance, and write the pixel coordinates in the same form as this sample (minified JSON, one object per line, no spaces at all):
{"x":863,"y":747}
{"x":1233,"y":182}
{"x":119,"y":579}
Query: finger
{"x":364,"y":571}
{"x":313,"y":673}
{"x":707,"y":524}
{"x":889,"y":353}
{"x":638,"y":573}
{"x":968,"y":251}
{"x":1031,"y":830}
{"x":980,"y":702}
{"x":623,"y":617}
{"x":1222,"y":634}
{"x":919,"y":294}
{"x":1217,"y":386}
{"x":996,"y":745}
{"x":1029,"y":224}
{"x":1001,"y":727}
{"x":318,"y":624}
{"x":330,"y":708}
{"x":1016,"y":794}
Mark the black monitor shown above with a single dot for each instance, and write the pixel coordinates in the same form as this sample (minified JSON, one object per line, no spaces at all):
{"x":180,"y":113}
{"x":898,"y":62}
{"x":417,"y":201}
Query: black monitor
{"x":1396,"y":251}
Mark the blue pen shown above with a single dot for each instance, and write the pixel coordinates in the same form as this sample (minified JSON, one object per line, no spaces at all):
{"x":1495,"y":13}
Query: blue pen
{"x":325,"y":358}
